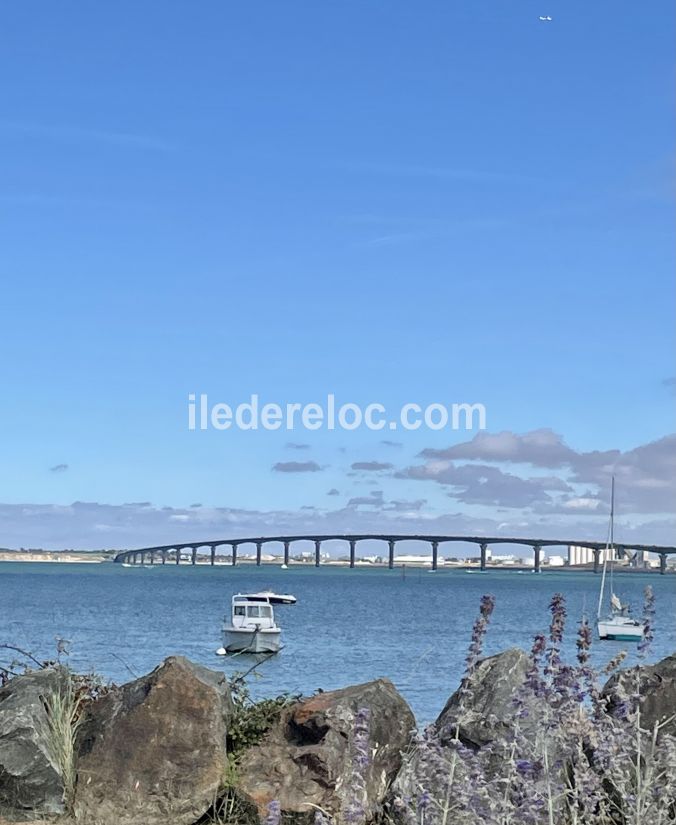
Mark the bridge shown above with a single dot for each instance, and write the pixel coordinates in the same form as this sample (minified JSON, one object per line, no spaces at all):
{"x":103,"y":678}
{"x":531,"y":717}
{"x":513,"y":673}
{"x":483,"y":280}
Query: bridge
{"x":187,"y":551}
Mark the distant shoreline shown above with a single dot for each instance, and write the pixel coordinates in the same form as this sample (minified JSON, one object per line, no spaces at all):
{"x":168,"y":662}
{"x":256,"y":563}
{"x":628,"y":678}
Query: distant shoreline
{"x":67,"y":557}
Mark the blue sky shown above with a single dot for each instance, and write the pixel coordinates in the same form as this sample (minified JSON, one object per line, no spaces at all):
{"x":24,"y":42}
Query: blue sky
{"x":391,"y":201}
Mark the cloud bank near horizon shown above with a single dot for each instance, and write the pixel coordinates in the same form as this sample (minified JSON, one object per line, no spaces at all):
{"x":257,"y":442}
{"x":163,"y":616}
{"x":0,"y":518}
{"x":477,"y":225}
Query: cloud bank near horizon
{"x":95,"y":526}
{"x":475,"y":472}
{"x":501,"y":484}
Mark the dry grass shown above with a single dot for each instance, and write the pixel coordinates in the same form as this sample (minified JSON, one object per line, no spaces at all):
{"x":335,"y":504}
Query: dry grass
{"x":64,"y":713}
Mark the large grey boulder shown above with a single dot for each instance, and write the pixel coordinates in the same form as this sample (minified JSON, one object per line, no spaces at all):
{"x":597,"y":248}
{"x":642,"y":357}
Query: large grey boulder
{"x":656,"y":685}
{"x":312,"y":755}
{"x":479,"y":718}
{"x":487,"y":711}
{"x":29,"y":775}
{"x":154,"y":750}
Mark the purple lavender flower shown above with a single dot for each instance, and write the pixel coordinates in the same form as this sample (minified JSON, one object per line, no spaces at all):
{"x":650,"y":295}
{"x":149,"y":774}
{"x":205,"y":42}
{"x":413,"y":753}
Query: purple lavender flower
{"x":479,"y":629}
{"x":321,"y":818}
{"x":274,"y":813}
{"x":648,"y":621}
{"x":557,"y":607}
{"x":571,"y":760}
{"x":355,"y":811}
{"x":525,"y":767}
{"x":533,"y":681}
{"x":583,"y":643}
{"x":424,"y":801}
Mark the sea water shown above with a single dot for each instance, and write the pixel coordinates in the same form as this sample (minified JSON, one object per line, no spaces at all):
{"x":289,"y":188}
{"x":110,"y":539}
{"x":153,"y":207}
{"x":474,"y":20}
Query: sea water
{"x":348,"y":626}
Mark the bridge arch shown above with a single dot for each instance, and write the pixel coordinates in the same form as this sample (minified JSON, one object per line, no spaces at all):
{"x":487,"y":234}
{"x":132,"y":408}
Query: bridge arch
{"x":178,"y":551}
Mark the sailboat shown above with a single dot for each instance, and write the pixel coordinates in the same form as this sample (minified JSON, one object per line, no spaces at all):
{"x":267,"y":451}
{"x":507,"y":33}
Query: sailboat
{"x":618,"y":625}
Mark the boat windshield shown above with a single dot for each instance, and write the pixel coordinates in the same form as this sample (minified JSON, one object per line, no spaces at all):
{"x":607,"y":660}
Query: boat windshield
{"x":258,"y":611}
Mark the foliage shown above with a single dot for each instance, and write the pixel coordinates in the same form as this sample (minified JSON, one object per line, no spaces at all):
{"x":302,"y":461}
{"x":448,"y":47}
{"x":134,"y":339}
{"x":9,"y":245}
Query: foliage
{"x":21,"y":662}
{"x":230,"y":809}
{"x":572,"y":756}
{"x":251,"y":720}
{"x":64,"y":715}
{"x":64,"y":706}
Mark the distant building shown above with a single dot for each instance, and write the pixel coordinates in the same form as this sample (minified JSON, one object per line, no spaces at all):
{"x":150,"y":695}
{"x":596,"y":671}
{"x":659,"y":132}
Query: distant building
{"x":556,"y":561}
{"x":585,"y":555}
{"x":417,"y":560}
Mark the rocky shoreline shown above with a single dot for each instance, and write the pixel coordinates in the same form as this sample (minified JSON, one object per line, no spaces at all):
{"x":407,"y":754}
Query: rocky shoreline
{"x":169,"y":747}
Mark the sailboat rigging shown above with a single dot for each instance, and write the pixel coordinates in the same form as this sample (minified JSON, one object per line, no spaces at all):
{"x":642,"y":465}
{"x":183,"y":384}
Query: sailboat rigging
{"x":618,"y":625}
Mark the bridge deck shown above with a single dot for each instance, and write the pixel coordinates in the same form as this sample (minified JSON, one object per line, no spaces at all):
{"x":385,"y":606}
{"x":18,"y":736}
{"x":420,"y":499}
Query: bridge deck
{"x":392,"y":539}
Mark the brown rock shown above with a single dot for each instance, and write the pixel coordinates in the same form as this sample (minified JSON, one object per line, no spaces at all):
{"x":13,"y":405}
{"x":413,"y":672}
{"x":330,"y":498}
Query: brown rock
{"x":154,"y":750}
{"x":307,"y":758}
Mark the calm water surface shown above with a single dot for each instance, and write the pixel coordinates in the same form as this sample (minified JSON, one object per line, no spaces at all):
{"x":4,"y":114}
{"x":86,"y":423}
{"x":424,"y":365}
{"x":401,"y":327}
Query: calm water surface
{"x":349,"y":626}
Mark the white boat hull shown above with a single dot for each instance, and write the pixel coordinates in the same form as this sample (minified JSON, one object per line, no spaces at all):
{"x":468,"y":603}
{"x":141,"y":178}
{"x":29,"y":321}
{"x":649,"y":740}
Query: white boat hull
{"x":248,"y":640}
{"x":620,"y":631}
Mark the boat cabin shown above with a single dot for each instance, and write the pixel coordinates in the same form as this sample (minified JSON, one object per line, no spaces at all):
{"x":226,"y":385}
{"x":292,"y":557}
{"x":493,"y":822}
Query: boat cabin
{"x":255,"y":609}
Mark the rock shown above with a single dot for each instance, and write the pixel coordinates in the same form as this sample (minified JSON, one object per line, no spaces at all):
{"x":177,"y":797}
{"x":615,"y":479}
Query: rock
{"x":484,"y":716}
{"x":307,"y":757}
{"x":154,"y":750}
{"x":29,"y":822}
{"x":488,"y":711}
{"x":657,"y":688}
{"x":29,"y":773}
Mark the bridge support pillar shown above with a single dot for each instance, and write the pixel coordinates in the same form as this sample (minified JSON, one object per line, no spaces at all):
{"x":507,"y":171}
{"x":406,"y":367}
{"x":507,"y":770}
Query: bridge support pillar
{"x":286,"y":553}
{"x":663,"y":563}
{"x":318,"y":553}
{"x":193,"y":555}
{"x":233,"y":559}
{"x":212,"y":558}
{"x":143,"y":559}
{"x":435,"y":555}
{"x":259,"y":552}
{"x":390,"y":558}
{"x":353,"y":545}
{"x":152,"y":558}
{"x":178,"y":555}
{"x":164,"y":557}
{"x":536,"y":557}
{"x":484,"y":554}
{"x":597,"y":559}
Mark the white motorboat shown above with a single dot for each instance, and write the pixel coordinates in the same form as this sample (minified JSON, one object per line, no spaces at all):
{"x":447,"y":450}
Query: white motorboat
{"x":618,"y":625}
{"x":252,"y":627}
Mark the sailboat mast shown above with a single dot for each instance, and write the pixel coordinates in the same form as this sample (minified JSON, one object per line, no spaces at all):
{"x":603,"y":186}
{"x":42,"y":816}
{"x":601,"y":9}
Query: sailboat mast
{"x":612,"y":537}
{"x":610,"y":544}
{"x":603,"y":587}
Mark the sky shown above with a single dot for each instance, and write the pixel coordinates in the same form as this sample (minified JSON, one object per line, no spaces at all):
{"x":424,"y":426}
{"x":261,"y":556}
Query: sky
{"x":387,"y":201}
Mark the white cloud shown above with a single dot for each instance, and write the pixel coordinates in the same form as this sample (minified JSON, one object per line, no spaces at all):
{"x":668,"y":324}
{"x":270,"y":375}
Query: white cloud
{"x":645,"y":475}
